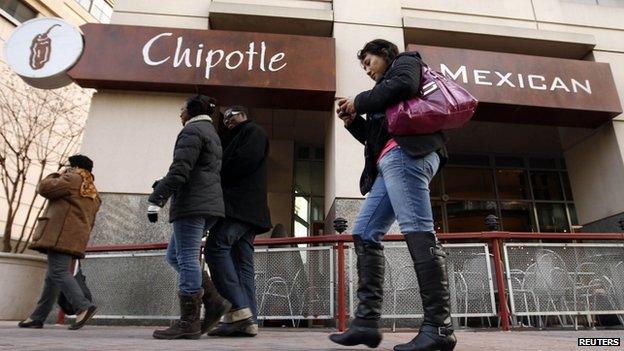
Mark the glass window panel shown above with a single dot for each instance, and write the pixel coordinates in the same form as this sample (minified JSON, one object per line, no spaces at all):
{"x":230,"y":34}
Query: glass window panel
{"x":548,"y":163}
{"x":301,"y":220}
{"x":546,"y":186}
{"x":317,"y":212}
{"x":303,"y":152}
{"x":18,"y":10}
{"x":588,"y":2}
{"x":573,"y":216}
{"x":100,"y":4}
{"x":512,"y":184}
{"x":509,"y":161}
{"x":468,"y":216}
{"x":468,"y":183}
{"x":310,"y":177}
{"x":517,"y":217}
{"x":469,"y":160}
{"x":438,"y":218}
{"x":86,"y":4}
{"x":435,"y":187}
{"x":300,"y":230}
{"x":319,"y":153}
{"x":101,"y":10}
{"x":566,"y":186}
{"x":552,"y":218}
{"x":618,"y":3}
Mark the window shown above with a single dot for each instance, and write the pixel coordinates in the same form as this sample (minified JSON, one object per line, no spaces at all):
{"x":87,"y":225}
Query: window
{"x":100,"y":9}
{"x":468,"y":216}
{"x":309,"y":189}
{"x":546,"y":185}
{"x":512,"y":184}
{"x":17,"y":10}
{"x":467,"y":183}
{"x":527,"y":194}
{"x":599,"y":2}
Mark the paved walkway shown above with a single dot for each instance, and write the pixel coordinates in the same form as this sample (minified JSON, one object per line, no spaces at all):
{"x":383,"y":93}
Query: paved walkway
{"x":55,"y":337}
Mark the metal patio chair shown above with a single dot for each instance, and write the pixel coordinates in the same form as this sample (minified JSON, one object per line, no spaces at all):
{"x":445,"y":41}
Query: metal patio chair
{"x":405,"y":281}
{"x":474,"y":283}
{"x":281,"y":288}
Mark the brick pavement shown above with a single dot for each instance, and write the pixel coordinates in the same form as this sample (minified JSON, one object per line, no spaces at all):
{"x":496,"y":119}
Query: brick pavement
{"x":54,"y":337}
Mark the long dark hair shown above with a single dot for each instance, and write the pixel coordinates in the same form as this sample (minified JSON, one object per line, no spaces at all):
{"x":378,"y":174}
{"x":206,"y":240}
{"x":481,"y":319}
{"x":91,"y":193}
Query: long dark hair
{"x":379,"y":47}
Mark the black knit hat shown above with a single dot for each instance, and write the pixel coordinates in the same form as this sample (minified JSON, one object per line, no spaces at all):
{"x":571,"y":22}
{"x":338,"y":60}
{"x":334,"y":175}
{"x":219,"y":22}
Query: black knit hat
{"x":81,"y":161}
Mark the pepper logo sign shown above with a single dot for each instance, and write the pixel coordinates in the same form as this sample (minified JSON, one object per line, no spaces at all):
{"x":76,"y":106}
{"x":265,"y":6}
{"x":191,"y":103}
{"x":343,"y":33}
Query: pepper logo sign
{"x":42,"y":50}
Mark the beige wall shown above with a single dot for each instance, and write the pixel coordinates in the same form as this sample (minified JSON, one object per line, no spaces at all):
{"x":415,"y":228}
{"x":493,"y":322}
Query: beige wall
{"x":346,"y":160}
{"x":130,"y":137}
{"x":596,"y":172}
{"x":191,"y":14}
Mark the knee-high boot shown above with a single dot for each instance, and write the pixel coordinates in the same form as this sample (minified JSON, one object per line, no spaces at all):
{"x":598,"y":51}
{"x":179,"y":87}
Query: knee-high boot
{"x":436,"y":331}
{"x":364,"y":329}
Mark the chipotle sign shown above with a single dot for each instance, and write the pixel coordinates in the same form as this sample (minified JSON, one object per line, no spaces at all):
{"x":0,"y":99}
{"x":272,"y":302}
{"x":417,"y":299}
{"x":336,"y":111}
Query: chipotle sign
{"x":41,"y":51}
{"x":530,"y":89}
{"x":255,"y":68}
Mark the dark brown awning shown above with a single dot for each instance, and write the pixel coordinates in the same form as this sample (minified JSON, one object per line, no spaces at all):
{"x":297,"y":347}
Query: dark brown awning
{"x":530,"y":89}
{"x":257,"y":69}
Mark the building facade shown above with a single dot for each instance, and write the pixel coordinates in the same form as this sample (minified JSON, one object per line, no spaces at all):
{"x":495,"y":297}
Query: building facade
{"x":12,"y":14}
{"x":546,"y":155}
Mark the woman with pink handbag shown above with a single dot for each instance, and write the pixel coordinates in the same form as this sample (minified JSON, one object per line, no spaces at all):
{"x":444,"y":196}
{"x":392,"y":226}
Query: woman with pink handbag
{"x":397,"y":173}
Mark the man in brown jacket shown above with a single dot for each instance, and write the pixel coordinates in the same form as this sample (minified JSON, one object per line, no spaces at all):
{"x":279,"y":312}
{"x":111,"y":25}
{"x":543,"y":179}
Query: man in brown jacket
{"x":62,"y":233}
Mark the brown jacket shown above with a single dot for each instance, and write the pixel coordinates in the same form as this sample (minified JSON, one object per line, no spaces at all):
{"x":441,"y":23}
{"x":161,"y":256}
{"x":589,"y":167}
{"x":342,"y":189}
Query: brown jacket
{"x":68,"y":219}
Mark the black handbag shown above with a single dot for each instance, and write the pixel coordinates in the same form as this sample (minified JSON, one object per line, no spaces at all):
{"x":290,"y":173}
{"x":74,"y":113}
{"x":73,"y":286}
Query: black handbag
{"x":64,"y":304}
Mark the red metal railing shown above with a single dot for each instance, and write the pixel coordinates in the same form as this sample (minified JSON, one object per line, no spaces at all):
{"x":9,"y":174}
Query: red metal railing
{"x":495,"y":239}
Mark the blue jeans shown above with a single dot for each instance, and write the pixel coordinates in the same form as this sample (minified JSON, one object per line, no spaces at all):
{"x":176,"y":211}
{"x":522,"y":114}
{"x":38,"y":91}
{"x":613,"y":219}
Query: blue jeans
{"x":183,"y":251}
{"x":229,"y":254}
{"x":400,"y":192}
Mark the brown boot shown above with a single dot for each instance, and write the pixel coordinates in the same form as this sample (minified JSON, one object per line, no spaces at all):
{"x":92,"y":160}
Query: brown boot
{"x":188,"y":326}
{"x":215,"y":306}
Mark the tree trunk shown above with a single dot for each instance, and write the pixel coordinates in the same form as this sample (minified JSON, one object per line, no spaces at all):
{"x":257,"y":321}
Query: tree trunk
{"x":8,"y":228}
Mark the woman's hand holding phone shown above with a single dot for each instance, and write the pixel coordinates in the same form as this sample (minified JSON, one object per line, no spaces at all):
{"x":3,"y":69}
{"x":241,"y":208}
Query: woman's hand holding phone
{"x":346,"y":111}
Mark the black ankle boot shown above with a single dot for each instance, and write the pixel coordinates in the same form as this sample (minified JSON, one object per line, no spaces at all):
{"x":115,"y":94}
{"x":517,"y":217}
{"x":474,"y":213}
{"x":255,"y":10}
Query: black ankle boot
{"x":365,"y":327}
{"x":436,"y":332}
{"x":215,"y":306}
{"x":188,"y":326}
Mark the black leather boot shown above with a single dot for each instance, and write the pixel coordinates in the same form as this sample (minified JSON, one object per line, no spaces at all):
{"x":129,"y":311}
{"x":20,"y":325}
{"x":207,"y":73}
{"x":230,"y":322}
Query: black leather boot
{"x":215,"y":306}
{"x":436,"y":331}
{"x":364,"y":329}
{"x":188,"y":326}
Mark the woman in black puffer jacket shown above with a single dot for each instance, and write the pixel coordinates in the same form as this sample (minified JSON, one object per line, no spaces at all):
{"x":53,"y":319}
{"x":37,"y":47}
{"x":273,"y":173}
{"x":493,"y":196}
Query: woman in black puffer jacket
{"x":396,"y":176}
{"x":193,"y":183}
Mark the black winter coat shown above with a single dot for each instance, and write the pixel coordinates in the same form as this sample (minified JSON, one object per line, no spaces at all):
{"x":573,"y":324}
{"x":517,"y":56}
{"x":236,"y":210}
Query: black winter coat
{"x":400,"y":82}
{"x":244,"y":176}
{"x":193,"y":179}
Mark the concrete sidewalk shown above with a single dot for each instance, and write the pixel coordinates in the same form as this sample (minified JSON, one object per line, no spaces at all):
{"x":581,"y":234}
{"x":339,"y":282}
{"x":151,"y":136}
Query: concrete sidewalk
{"x":56,"y":337}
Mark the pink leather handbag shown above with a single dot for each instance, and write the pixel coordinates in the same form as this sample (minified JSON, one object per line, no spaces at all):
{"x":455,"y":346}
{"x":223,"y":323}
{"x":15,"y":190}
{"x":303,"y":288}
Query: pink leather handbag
{"x":441,"y":104}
